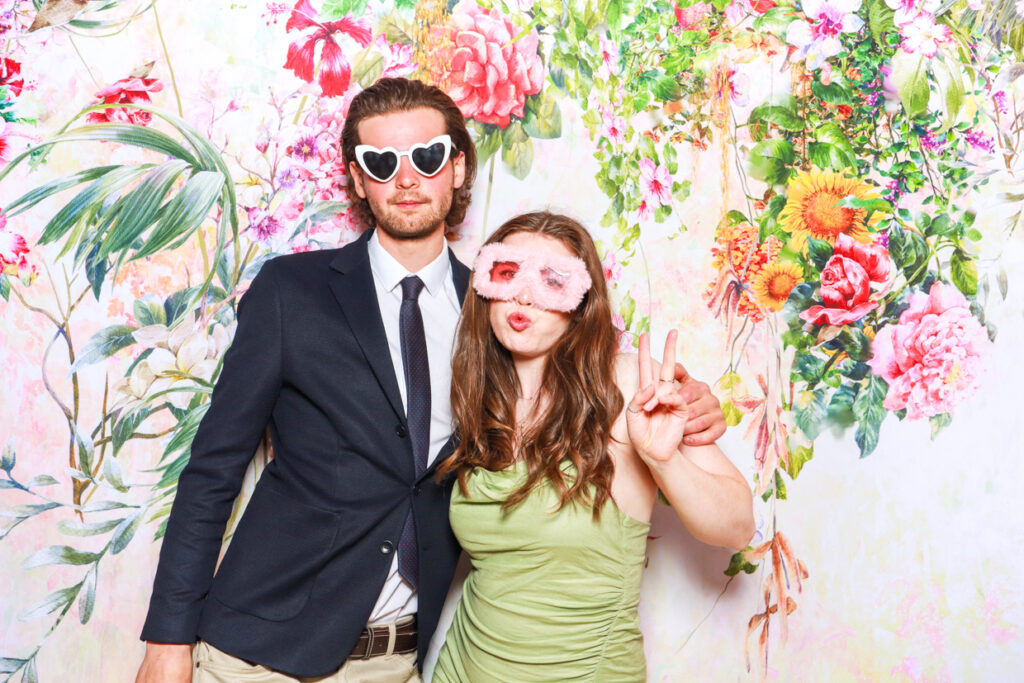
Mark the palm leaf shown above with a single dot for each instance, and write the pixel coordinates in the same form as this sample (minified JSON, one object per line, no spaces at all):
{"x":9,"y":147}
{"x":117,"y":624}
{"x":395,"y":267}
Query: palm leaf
{"x":87,"y":202}
{"x":138,"y":209}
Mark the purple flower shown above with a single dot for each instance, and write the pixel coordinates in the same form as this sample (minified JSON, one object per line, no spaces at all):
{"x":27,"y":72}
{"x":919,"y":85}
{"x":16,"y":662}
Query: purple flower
{"x":263,"y":225}
{"x":999,"y":98}
{"x":288,"y":177}
{"x":930,"y":142}
{"x":306,"y":147}
{"x":979,"y":140}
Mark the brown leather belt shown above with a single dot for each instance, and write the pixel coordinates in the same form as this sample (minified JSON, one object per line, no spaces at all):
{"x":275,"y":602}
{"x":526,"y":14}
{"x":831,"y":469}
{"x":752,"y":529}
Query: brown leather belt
{"x":399,"y":639}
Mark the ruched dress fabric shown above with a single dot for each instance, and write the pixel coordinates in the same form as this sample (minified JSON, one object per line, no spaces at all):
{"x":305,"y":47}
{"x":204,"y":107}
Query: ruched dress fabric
{"x":551,"y":595}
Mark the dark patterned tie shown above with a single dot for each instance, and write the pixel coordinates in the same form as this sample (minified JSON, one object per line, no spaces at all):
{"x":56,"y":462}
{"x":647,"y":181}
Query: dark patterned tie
{"x":417,"y":409}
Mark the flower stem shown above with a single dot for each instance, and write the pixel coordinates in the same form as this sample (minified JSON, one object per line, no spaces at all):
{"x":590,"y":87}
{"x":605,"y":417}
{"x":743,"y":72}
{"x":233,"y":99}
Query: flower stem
{"x":167,"y":58}
{"x":84,"y":63}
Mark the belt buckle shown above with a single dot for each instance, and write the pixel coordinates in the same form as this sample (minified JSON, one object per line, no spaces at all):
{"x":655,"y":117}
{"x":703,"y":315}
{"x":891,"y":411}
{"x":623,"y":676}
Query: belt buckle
{"x":369,"y":643}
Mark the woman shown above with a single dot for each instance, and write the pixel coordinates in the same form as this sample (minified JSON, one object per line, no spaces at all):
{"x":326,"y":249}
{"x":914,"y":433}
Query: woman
{"x":557,"y":473}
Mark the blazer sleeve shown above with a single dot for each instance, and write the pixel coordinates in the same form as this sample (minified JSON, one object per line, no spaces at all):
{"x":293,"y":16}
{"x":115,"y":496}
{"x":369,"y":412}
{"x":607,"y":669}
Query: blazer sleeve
{"x":240,"y":408}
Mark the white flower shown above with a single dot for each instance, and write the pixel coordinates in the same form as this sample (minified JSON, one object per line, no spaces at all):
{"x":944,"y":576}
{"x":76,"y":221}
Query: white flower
{"x":818,"y":37}
{"x":924,"y":36}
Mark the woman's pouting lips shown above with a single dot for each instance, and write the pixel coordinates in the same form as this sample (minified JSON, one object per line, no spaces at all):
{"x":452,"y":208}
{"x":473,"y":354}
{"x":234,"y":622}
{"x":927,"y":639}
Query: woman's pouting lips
{"x":518,"y":322}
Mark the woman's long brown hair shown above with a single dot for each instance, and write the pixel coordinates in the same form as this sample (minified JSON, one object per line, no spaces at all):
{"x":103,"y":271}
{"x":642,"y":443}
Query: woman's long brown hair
{"x":578,"y":382}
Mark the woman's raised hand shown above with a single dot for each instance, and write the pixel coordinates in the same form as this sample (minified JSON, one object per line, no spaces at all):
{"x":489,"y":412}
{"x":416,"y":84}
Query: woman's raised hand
{"x":656,"y":416}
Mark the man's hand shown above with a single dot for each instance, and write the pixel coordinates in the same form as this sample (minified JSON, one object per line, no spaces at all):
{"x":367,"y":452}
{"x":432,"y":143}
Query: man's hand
{"x":706,"y":422}
{"x":166,"y":663}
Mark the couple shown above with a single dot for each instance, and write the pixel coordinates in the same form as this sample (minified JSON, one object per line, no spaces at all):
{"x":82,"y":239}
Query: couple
{"x":340,"y":564}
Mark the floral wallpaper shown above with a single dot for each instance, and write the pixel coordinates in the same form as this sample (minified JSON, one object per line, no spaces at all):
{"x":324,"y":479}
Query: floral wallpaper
{"x":823,"y":195}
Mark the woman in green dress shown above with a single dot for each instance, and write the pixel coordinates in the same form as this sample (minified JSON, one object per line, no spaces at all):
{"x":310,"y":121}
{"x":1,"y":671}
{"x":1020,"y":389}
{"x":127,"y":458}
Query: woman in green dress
{"x":564,"y":444}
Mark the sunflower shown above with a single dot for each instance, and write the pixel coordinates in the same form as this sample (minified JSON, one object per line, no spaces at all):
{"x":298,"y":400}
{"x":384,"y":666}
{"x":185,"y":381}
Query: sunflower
{"x":775,"y":283}
{"x":812,"y":208}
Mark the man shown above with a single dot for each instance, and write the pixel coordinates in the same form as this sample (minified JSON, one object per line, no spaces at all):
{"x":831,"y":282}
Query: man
{"x":340,"y":564}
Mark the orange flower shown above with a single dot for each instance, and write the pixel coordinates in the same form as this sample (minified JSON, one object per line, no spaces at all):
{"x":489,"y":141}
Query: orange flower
{"x":738,"y":251}
{"x":812,"y":208}
{"x":775,"y":283}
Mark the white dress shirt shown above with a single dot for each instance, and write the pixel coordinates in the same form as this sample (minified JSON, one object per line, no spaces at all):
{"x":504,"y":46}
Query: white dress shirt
{"x":440,"y":307}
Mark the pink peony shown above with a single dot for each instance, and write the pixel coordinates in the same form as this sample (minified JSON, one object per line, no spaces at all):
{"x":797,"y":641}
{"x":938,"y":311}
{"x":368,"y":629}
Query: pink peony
{"x":846,"y":282}
{"x":932,"y":359}
{"x":492,"y":71}
{"x":125,"y":91}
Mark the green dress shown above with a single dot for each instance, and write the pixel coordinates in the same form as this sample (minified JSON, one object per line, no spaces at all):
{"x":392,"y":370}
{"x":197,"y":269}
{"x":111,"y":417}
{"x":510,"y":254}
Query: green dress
{"x":551,"y":596}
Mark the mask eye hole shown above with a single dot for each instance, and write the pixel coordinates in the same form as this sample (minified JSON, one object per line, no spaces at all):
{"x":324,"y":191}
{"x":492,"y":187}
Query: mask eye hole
{"x":504,"y":271}
{"x":553,"y":279}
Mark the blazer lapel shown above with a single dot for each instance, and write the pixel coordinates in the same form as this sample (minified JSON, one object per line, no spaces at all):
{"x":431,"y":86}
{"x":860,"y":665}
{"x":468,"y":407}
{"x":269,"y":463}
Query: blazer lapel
{"x":352,"y":285}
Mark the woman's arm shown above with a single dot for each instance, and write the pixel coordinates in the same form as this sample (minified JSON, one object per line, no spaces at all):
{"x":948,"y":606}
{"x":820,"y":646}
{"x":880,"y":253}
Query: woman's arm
{"x":708,"y":493}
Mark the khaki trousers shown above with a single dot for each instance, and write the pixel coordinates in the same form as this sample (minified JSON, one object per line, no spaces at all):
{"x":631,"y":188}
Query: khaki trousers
{"x":213,"y":666}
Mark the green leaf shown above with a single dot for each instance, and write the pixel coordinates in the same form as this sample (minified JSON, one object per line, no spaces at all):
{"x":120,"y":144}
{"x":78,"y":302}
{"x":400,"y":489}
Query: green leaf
{"x":87,"y":202}
{"x":36,"y":195}
{"x":113,"y":474}
{"x":910,"y":252}
{"x":872,"y":392}
{"x":938,"y":423}
{"x":29,"y":510}
{"x":780,"y":486}
{"x":854,"y":342}
{"x":866,"y":435}
{"x":870,"y":205}
{"x":9,"y":665}
{"x":798,"y":457}
{"x":104,"y":344}
{"x":58,"y":554}
{"x":125,"y":531}
{"x":819,"y":252}
{"x":810,"y":412}
{"x":769,"y":160}
{"x":910,"y":76}
{"x":8,"y":458}
{"x":833,"y":93}
{"x":178,"y":304}
{"x":840,"y":407}
{"x":125,"y":428}
{"x":880,"y":20}
{"x":666,"y":89}
{"x":87,"y":596}
{"x":517,"y":151}
{"x":138,"y":209}
{"x":40,"y":480}
{"x":96,"y":270}
{"x":951,"y":87}
{"x":681,"y":190}
{"x":74,"y":527}
{"x":733,"y":415}
{"x":149,"y":310}
{"x":964,"y":272}
{"x":51,"y":603}
{"x":543,"y":117}
{"x":29,"y":675}
{"x":185,"y":212}
{"x":738,"y":563}
{"x":367,"y":66}
{"x":783,"y":117}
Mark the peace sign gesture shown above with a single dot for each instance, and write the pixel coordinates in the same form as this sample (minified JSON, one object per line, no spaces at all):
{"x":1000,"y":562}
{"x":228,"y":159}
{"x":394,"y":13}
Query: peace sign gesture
{"x":656,"y":417}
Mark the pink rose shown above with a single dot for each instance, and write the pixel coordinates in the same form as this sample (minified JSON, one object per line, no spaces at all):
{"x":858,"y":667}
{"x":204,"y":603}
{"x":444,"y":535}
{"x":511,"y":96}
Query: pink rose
{"x":932,"y":359}
{"x":846,"y":282}
{"x":490,"y":74}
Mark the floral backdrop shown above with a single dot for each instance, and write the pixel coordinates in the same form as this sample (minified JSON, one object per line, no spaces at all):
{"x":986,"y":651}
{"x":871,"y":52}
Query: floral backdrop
{"x":823,"y":195}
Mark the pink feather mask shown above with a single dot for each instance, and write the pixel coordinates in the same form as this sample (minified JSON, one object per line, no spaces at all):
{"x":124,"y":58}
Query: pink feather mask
{"x":553,"y":282}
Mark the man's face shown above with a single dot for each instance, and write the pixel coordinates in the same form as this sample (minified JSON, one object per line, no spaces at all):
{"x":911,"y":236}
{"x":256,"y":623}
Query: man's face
{"x":409,"y":205}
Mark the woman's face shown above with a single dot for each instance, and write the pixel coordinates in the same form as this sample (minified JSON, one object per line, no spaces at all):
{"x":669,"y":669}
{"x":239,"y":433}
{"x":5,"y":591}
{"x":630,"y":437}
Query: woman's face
{"x":520,"y":326}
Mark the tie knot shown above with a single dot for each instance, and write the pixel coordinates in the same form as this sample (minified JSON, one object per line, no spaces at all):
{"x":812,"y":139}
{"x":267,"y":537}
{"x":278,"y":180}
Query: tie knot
{"x":411,"y":288}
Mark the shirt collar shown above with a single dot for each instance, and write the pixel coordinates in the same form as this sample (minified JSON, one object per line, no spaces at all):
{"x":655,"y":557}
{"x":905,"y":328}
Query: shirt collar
{"x":389,"y":272}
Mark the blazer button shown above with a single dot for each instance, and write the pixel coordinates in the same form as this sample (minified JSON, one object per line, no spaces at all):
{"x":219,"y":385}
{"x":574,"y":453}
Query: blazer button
{"x":401,"y":431}
{"x":415,"y":490}
{"x":387,"y":547}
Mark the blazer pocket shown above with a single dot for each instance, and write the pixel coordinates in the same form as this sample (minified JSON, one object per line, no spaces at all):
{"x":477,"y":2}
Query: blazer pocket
{"x":279,"y":548}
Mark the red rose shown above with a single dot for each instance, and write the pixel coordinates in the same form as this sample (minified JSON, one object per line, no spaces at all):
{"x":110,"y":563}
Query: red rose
{"x":762,"y":6}
{"x":846,"y":282}
{"x":125,"y":91}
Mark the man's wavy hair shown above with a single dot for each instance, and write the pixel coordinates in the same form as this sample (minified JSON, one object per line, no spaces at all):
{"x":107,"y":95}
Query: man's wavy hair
{"x":389,"y":95}
{"x":578,"y":382}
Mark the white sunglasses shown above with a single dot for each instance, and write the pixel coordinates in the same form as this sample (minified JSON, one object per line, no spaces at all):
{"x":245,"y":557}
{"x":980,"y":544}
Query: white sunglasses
{"x":426,"y":158}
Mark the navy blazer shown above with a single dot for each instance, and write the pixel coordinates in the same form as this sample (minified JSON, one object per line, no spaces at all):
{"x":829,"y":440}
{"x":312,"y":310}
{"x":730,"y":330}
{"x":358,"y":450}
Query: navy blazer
{"x":313,"y":549}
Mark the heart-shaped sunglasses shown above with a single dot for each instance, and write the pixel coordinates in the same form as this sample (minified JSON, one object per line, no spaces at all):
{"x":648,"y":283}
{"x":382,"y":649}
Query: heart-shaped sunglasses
{"x":427,"y":158}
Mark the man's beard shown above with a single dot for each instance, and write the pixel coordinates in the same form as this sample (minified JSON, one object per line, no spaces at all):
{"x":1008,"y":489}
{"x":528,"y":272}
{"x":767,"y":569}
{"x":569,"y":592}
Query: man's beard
{"x":399,"y":227}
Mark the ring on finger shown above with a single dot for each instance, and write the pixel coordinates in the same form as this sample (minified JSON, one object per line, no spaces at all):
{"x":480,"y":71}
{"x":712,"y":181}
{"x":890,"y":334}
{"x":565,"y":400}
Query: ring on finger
{"x":631,"y":409}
